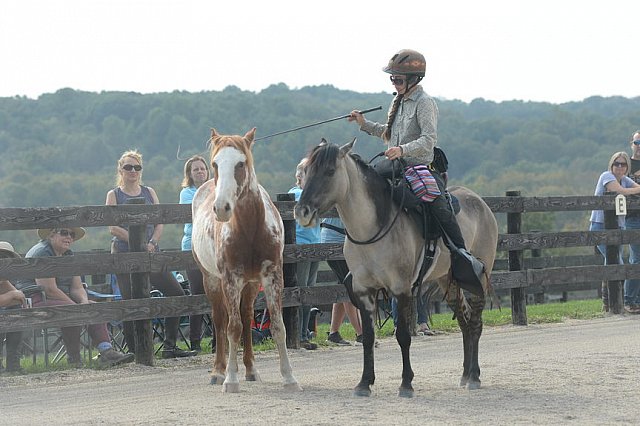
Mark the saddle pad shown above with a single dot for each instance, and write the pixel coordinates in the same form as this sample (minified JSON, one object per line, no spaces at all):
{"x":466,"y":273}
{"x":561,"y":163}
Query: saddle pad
{"x":422,"y":182}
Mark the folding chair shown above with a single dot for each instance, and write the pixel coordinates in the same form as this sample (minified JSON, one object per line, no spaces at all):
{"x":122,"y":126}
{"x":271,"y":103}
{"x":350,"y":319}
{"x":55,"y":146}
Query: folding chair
{"x":383,"y":308}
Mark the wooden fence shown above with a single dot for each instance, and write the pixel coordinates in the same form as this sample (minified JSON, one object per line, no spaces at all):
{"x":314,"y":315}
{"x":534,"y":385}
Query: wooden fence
{"x":518,"y":279}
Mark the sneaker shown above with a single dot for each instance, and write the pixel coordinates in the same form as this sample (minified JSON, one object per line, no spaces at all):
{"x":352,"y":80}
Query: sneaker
{"x":176,"y":352}
{"x":632,"y":309}
{"x":111,"y":357}
{"x":425,"y":330}
{"x":310,"y":346}
{"x":195,"y":346}
{"x":337,"y":339}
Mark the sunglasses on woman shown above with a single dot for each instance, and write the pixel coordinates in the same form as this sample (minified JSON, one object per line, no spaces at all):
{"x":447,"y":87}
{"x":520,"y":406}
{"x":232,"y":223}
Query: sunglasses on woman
{"x":66,"y":233}
{"x":398,"y":81}
{"x":131,"y":167}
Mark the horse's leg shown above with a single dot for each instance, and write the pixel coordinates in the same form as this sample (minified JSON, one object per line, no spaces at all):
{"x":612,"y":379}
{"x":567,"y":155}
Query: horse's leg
{"x":246,"y":312}
{"x":403,"y":336}
{"x":366,"y":304}
{"x":470,"y":323}
{"x":232,"y":287}
{"x":474,"y":332}
{"x":220,"y":320}
{"x":273,"y":284}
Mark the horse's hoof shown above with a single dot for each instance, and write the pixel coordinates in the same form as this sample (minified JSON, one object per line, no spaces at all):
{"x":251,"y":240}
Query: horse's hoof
{"x":473,"y":385}
{"x":292,"y":387}
{"x":463,"y":381}
{"x":231,"y":387}
{"x":253,"y":377}
{"x":216,"y":379}
{"x":358,"y":391}
{"x":405,"y":393}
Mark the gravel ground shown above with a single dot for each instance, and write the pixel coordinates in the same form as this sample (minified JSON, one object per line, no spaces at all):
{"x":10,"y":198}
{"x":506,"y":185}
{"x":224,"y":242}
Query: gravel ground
{"x":579,"y":372}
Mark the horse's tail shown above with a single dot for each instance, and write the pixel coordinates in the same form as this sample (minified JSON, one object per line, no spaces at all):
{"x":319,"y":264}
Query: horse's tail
{"x":489,"y":290}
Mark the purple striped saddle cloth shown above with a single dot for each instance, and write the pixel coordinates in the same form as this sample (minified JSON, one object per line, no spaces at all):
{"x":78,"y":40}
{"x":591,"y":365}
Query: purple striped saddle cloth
{"x":422,"y":182}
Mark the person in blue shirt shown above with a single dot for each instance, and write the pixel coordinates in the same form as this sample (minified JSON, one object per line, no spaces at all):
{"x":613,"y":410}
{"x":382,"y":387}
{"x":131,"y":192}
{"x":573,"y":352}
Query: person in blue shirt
{"x":196,"y":173}
{"x":614,"y":179}
{"x":306,"y":272}
{"x":333,"y":232}
{"x":69,"y":290}
{"x":632,"y":221}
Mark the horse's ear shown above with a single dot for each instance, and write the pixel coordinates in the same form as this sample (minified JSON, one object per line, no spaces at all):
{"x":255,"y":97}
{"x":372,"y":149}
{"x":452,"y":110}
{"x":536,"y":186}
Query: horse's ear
{"x":214,"y":135}
{"x":323,"y":142}
{"x":345,"y":149}
{"x":249,"y":136}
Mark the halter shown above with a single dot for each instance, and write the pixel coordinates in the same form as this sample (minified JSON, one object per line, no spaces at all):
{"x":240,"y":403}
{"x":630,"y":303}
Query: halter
{"x":377,"y":237}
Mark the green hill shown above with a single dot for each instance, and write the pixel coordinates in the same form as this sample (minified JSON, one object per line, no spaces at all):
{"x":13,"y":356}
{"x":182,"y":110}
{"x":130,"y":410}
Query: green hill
{"x":61,"y":149}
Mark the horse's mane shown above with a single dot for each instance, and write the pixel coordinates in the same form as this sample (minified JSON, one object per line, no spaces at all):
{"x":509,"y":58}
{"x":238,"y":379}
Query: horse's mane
{"x":235,"y":141}
{"x":326,"y":155}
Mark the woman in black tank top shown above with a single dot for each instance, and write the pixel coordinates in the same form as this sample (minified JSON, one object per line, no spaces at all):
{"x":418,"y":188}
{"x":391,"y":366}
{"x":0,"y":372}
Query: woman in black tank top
{"x":129,"y":185}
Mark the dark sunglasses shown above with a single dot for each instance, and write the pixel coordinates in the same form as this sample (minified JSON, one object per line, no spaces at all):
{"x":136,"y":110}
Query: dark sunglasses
{"x":130,"y":167}
{"x":66,"y":233}
{"x":636,"y":142}
{"x":397,"y":80}
{"x":617,"y":164}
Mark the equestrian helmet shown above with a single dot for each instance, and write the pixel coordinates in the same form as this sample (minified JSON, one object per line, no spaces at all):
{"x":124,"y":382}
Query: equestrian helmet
{"x":406,"y":62}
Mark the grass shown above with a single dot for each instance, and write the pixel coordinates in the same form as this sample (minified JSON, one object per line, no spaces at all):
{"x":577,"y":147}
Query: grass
{"x":553,"y":312}
{"x":536,"y":314}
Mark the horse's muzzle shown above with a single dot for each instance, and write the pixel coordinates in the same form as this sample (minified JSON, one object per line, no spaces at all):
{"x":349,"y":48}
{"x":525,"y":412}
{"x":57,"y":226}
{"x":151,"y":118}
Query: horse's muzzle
{"x":222,"y":211}
{"x":305,"y":215}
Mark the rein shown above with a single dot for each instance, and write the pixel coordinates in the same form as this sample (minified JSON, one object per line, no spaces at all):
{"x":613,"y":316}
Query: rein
{"x":380,"y":235}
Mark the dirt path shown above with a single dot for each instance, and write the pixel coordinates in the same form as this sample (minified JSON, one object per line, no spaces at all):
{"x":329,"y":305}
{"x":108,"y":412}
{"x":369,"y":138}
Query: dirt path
{"x":580,"y":372}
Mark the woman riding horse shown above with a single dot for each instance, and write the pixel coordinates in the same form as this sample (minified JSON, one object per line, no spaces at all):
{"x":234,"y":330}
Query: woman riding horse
{"x":411,"y":132}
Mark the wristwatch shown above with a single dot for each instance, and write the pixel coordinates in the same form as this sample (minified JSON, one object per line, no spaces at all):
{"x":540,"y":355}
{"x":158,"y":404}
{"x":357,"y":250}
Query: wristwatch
{"x":154,"y":243}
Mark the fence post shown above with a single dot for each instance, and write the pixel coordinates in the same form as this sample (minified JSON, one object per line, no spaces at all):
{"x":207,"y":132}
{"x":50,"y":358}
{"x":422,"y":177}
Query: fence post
{"x":141,"y":289}
{"x":290,"y":315}
{"x":614,"y":287}
{"x":538,"y":298}
{"x":518,"y":295}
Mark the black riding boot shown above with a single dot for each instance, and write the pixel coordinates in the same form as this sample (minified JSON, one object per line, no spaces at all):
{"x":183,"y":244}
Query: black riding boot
{"x":441,"y":209}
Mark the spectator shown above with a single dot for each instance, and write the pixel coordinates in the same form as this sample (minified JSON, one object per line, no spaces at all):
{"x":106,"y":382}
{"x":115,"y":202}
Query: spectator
{"x":632,"y":221}
{"x":69,"y":290}
{"x":306,"y":272}
{"x":195,"y":174}
{"x":10,"y":297}
{"x":129,"y":185}
{"x":421,"y":309}
{"x":615,"y":179}
{"x":333,"y":232}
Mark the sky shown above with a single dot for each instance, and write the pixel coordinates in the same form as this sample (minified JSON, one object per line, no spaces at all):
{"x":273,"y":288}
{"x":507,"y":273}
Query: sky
{"x":541,"y":50}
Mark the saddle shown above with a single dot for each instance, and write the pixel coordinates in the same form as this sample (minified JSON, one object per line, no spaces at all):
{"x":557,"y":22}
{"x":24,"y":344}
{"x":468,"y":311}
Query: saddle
{"x":419,"y":211}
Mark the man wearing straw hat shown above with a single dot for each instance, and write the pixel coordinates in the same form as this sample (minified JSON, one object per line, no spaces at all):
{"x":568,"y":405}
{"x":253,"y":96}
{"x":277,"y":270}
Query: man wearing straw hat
{"x":10,"y":297}
{"x":67,"y":291}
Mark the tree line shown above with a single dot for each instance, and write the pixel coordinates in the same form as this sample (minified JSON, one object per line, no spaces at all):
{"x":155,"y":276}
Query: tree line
{"x":61,"y":148}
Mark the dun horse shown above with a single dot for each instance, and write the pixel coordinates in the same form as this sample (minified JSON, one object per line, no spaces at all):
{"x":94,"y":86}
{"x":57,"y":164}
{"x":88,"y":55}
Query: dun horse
{"x":237,"y":240}
{"x":385,"y":250}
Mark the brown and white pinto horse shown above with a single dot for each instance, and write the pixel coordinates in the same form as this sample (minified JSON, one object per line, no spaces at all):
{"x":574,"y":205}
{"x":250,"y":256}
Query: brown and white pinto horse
{"x":237,"y":240}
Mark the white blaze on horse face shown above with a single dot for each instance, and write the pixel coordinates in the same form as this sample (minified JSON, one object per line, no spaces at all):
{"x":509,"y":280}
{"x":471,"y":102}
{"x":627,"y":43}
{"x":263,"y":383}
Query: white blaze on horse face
{"x":227,"y":186}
